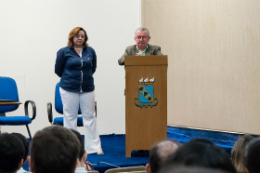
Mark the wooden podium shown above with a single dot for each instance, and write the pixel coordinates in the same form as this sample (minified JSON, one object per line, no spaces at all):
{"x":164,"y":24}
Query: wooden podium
{"x":146,"y":102}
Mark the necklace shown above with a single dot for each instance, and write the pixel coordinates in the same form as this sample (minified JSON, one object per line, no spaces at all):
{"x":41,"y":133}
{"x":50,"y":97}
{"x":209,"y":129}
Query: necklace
{"x":78,"y":48}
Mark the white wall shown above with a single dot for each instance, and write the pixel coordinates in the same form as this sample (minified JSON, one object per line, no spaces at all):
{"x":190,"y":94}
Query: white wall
{"x":31,"y":33}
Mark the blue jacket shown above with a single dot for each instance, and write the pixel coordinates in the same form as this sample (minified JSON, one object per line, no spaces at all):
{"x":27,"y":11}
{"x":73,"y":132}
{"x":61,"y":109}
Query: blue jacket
{"x":69,"y":67}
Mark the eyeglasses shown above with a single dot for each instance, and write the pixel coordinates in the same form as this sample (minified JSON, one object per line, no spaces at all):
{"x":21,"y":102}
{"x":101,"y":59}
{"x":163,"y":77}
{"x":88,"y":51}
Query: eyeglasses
{"x":139,"y":38}
{"x":78,"y":36}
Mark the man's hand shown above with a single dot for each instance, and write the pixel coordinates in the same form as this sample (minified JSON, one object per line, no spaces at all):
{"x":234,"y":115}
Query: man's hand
{"x":138,"y":54}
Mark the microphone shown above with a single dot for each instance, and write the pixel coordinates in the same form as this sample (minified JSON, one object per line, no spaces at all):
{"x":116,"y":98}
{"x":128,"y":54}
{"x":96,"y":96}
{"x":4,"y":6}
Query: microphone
{"x":108,"y":164}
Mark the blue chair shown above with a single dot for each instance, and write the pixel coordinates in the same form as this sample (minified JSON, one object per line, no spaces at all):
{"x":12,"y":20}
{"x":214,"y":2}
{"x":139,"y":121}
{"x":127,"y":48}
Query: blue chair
{"x":59,"y":109}
{"x":9,"y":93}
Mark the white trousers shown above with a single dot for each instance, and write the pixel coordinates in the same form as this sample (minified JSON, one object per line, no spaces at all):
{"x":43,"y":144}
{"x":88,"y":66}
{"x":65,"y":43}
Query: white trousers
{"x":86,"y":100}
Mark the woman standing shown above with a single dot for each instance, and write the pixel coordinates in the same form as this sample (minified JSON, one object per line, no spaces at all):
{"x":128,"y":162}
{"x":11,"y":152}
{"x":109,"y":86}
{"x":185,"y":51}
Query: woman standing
{"x":76,"y":64}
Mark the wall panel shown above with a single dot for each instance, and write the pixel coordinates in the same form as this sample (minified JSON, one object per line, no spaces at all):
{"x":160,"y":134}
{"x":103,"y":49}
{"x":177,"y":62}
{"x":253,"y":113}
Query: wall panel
{"x":214,"y":65}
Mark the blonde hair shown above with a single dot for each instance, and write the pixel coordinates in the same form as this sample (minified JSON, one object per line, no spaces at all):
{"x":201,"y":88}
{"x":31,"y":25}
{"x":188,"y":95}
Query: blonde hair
{"x":75,"y":32}
{"x":238,"y":151}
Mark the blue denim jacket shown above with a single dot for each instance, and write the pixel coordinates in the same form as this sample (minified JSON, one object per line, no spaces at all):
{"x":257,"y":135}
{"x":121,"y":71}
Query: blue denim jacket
{"x":69,"y":67}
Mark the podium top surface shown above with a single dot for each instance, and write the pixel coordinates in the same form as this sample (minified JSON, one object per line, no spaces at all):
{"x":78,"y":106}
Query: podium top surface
{"x":146,"y":60}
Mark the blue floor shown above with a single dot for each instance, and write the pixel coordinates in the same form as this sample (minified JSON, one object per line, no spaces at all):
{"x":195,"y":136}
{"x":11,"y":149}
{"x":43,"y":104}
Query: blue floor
{"x":222,"y":139}
{"x":114,"y":147}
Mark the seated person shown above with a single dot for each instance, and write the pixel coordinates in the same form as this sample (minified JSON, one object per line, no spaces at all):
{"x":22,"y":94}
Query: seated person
{"x":11,"y":153}
{"x":159,"y":154}
{"x":252,"y":156}
{"x":238,"y":152}
{"x":202,"y":153}
{"x":142,"y":37}
{"x":26,"y":150}
{"x":80,"y":168}
{"x":54,"y":150}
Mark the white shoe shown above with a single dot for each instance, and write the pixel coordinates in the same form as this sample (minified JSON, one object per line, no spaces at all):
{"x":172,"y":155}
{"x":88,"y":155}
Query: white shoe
{"x":100,"y":152}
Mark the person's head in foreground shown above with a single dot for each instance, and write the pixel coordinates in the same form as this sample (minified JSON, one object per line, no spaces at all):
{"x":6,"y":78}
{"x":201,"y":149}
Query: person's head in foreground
{"x":54,"y":149}
{"x":25,"y":144}
{"x":185,"y":169}
{"x":252,"y":156}
{"x":142,"y":37}
{"x":11,"y":153}
{"x":202,"y":153}
{"x":82,"y":152}
{"x":159,"y":154}
{"x":238,"y":152}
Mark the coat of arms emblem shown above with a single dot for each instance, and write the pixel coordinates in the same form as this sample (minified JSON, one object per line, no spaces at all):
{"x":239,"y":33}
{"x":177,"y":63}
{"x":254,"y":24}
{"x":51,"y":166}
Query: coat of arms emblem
{"x":146,"y":98}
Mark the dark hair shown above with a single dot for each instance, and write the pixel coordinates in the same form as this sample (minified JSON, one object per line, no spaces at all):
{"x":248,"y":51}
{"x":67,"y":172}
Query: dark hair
{"x":238,"y":152}
{"x":73,"y":33}
{"x":185,"y":169}
{"x":81,"y":142}
{"x":25,"y":144}
{"x":11,"y":152}
{"x":203,"y":153}
{"x":159,"y":153}
{"x":54,"y":150}
{"x":252,"y":156}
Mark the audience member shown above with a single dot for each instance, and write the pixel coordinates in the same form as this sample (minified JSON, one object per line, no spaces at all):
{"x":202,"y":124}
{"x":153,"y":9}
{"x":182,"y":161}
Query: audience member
{"x":238,"y":152}
{"x":252,"y":156}
{"x":159,"y":154}
{"x":26,"y":150}
{"x":202,"y":153}
{"x":80,"y":168}
{"x":11,"y":153}
{"x":185,"y":169}
{"x":54,"y":149}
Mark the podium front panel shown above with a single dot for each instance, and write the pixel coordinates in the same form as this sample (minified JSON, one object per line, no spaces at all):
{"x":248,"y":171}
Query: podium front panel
{"x":147,"y":124}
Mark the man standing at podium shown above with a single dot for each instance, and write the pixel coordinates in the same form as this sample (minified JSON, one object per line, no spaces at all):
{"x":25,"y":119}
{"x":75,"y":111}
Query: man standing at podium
{"x":142,"y":48}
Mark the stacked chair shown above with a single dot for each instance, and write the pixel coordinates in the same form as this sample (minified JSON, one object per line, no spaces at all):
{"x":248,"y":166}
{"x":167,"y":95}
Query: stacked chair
{"x":137,"y":169}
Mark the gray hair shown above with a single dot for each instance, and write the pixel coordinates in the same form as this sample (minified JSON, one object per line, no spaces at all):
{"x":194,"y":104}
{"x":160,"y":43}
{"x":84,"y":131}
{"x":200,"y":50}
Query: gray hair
{"x":142,"y":29}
